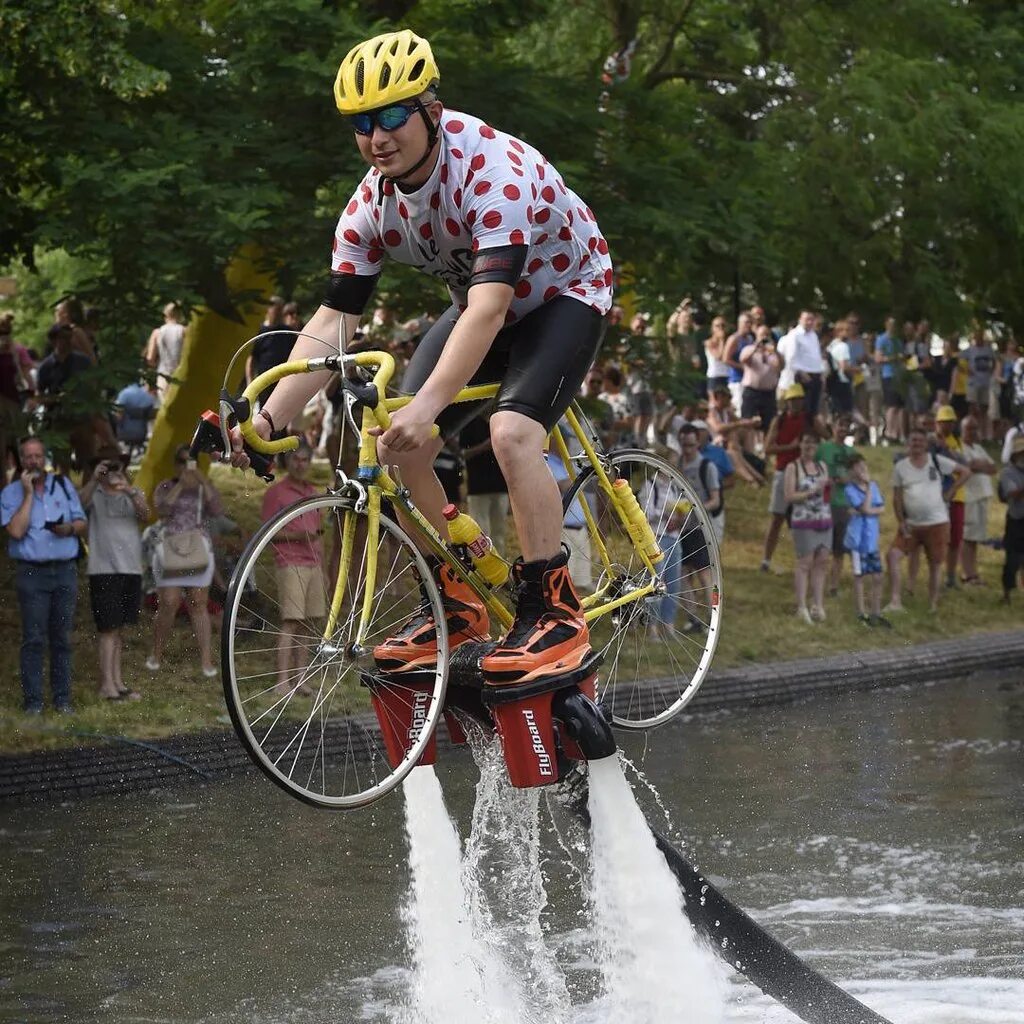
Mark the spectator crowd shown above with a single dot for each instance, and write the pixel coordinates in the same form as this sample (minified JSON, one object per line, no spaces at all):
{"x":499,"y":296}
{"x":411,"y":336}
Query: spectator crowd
{"x":786,"y":408}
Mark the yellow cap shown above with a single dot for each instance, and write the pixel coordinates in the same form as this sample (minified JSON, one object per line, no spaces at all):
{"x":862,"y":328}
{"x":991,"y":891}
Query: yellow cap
{"x":384,"y":70}
{"x":946,"y":414}
{"x":793,"y":391}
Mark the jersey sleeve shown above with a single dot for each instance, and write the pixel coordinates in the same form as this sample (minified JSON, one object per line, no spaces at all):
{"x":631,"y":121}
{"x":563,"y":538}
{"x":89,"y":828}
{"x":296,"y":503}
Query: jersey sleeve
{"x":358,"y":248}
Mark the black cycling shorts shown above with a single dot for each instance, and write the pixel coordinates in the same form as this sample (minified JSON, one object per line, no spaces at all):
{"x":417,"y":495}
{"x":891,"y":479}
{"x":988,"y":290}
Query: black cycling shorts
{"x":540,"y":362}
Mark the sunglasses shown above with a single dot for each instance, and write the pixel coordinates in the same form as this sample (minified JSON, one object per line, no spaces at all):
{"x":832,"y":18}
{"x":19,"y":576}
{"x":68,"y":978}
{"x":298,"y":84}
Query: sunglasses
{"x":389,"y":119}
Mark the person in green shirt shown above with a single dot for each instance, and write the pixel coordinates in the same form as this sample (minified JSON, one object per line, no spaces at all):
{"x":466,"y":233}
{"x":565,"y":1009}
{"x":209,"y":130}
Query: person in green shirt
{"x":836,"y":455}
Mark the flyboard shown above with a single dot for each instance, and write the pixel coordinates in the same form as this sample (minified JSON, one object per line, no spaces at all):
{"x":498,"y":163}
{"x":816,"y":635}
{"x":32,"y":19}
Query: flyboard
{"x":548,"y":731}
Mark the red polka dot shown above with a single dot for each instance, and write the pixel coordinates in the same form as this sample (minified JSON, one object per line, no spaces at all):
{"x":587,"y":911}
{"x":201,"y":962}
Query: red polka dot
{"x":426,"y":232}
{"x":476,"y":244}
{"x":581,"y":212}
{"x":517,"y":172}
{"x":392,"y":237}
{"x":470,"y":175}
{"x":491,"y":219}
{"x":578,"y":291}
{"x":550,"y":293}
{"x":346,"y":268}
{"x":516,"y":146}
{"x":435,"y":200}
{"x":585,"y":260}
{"x":511,"y":192}
{"x":444,"y":174}
{"x":608,"y":278}
{"x":514,"y":159}
{"x":482,"y":186}
{"x":516,"y":237}
{"x":455,"y":126}
{"x":477,"y":162}
{"x":533,"y":190}
{"x":403,"y":211}
{"x":523,"y":289}
{"x":547,"y":193}
{"x":565,"y":233}
{"x":529,"y":214}
{"x":457,"y":153}
{"x":376,"y":213}
{"x":457,"y":196}
{"x":602,"y":247}
{"x":367,"y":194}
{"x":560,"y":262}
{"x":597,"y":282}
{"x":543,"y":238}
{"x":375,"y":242}
{"x":575,"y":282}
{"x":389,"y":188}
{"x":591,"y":243}
{"x":568,"y":216}
{"x":542,"y":215}
{"x":350,"y":236}
{"x":487,"y":132}
{"x":540,"y":171}
{"x":451,"y":226}
{"x":590,"y":214}
{"x":534,"y":265}
{"x":471,"y":218}
{"x":352,"y":207}
{"x":375,"y":255}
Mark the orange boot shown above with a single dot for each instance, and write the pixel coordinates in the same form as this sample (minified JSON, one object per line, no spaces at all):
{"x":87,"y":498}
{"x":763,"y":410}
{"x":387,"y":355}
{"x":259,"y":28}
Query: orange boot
{"x":549,"y":636}
{"x":414,"y":647}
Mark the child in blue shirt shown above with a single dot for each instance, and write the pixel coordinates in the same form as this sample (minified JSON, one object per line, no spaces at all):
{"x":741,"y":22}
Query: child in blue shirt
{"x":863,"y":535}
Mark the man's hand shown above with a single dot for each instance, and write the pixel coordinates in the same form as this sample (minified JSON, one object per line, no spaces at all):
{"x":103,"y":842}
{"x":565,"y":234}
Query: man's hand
{"x":410,"y":429}
{"x":238,"y":457}
{"x":28,"y":480}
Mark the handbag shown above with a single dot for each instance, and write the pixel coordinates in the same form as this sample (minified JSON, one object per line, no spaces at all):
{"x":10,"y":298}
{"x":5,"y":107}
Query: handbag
{"x":185,"y":553}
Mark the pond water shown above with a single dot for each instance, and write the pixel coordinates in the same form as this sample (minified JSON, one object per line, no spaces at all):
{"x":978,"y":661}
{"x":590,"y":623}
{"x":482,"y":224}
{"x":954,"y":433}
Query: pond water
{"x":880,"y":835}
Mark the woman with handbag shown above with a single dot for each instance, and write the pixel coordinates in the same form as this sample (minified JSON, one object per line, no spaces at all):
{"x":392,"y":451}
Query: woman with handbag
{"x":183,"y":560}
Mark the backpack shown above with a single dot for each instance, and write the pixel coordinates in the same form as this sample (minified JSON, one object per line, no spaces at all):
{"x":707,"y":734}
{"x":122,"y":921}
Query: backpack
{"x":702,"y":470}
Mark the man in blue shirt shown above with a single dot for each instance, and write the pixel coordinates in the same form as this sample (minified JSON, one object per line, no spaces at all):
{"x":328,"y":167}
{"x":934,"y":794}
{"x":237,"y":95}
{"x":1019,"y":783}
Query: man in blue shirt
{"x":44,"y":518}
{"x":889,"y":356}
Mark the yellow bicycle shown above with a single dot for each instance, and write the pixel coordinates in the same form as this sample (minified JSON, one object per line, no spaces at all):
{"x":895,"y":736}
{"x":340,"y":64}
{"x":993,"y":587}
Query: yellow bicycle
{"x":323,"y":582}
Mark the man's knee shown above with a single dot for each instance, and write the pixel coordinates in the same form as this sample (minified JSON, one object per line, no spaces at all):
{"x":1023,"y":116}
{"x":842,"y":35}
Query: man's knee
{"x":515,"y":437}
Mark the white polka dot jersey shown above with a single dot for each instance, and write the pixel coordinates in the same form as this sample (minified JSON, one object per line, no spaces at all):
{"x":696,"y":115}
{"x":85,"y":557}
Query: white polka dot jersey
{"x":486,"y":191}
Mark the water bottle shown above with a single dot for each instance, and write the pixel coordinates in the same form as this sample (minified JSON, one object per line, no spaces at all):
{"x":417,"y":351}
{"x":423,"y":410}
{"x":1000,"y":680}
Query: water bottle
{"x":636,"y":522}
{"x":464,"y":530}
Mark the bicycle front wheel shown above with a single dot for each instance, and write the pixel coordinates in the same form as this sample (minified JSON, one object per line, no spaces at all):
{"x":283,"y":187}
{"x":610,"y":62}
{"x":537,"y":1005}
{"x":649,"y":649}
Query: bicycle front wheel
{"x":657,"y":647}
{"x":300,"y":626}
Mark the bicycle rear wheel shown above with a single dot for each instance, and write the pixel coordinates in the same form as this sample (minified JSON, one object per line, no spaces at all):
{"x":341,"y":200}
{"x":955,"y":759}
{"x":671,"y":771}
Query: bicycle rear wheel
{"x":302,"y":687}
{"x":657,"y":649}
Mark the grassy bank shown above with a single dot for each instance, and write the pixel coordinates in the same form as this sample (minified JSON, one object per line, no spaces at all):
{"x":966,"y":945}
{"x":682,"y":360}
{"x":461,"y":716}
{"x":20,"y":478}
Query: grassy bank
{"x":758,"y":626}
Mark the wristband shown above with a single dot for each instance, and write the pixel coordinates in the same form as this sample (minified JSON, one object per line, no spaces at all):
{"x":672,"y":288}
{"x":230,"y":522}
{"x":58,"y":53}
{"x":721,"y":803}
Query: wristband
{"x":266,"y":415}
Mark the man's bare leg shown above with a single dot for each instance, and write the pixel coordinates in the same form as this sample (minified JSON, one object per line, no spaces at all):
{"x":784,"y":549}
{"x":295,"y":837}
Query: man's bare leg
{"x":518,"y":443}
{"x":416,"y":469}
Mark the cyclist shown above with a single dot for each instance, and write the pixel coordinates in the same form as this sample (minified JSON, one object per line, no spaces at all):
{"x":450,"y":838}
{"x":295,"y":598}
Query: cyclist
{"x":530,"y":281}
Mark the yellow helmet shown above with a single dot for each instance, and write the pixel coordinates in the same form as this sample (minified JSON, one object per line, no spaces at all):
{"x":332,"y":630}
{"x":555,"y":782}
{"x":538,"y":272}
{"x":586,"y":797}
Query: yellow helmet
{"x":383,"y":70}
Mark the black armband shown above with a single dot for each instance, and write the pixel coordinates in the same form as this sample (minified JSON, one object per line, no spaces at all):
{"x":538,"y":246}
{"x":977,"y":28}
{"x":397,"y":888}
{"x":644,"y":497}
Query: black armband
{"x":503,"y":265}
{"x":349,"y":293}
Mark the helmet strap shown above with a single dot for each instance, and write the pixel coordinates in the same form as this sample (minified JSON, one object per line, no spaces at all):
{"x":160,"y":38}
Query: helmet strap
{"x":433,"y":131}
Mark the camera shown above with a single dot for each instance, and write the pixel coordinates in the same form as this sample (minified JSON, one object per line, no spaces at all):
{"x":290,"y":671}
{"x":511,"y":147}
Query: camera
{"x":52,"y":524}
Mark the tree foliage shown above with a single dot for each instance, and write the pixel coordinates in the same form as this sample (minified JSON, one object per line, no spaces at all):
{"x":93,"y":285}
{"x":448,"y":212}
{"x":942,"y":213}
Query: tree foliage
{"x":860,"y":153}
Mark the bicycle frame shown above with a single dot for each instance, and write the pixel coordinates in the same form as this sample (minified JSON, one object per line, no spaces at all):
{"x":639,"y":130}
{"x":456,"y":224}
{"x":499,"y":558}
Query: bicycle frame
{"x":379,"y":484}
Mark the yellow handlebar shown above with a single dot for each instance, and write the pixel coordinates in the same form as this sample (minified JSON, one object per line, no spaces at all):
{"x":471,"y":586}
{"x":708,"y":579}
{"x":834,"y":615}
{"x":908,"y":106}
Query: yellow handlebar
{"x":384,"y":362}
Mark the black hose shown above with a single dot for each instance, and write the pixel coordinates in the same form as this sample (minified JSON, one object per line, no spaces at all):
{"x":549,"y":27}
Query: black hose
{"x":758,"y":955}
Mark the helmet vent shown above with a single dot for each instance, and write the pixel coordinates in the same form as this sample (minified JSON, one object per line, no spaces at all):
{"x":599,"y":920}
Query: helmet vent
{"x":417,"y":70}
{"x":385,"y":76}
{"x":360,"y":76}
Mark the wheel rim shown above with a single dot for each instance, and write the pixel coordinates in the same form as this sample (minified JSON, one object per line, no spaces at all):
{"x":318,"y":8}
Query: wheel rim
{"x":648,"y":677}
{"x":327,"y":747}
